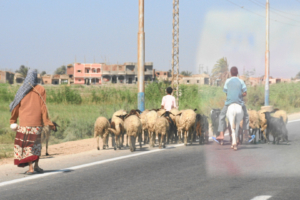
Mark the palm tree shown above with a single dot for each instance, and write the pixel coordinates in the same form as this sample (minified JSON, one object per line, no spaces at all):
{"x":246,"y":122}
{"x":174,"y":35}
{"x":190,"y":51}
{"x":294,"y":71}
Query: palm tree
{"x":23,"y":71}
{"x":220,"y":70}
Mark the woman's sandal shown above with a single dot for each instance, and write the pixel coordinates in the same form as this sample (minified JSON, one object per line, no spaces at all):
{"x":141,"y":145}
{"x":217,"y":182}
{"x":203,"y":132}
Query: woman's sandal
{"x":29,"y":173}
{"x":39,"y":170}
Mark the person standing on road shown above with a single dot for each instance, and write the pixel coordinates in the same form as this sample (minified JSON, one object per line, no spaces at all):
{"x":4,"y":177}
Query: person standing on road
{"x":168,"y":101}
{"x":29,"y":106}
{"x":235,"y":90}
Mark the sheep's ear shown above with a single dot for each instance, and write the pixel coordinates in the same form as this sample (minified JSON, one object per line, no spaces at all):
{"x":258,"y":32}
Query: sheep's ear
{"x":138,"y":111}
{"x":163,"y":113}
{"x":179,"y":114}
{"x":170,"y":113}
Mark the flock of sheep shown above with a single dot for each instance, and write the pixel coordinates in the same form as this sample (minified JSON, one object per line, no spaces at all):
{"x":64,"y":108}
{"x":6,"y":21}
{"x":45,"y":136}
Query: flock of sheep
{"x":167,"y":126}
{"x":178,"y":126}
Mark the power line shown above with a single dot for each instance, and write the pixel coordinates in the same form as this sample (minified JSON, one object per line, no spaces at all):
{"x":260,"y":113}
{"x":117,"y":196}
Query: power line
{"x":262,"y":4}
{"x":259,"y":14}
{"x":275,"y":12}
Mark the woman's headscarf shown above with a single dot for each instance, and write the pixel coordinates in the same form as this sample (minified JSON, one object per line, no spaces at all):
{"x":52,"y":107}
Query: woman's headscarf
{"x":30,"y":80}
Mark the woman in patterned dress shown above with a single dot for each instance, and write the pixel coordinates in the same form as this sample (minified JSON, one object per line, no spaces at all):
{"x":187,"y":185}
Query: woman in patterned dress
{"x":29,"y":106}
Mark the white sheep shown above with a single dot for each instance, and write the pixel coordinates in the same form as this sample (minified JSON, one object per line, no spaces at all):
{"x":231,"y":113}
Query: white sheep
{"x":101,"y":129}
{"x":151,"y":119}
{"x":133,"y":128}
{"x":161,"y":127}
{"x":186,"y":124}
{"x":117,"y":127}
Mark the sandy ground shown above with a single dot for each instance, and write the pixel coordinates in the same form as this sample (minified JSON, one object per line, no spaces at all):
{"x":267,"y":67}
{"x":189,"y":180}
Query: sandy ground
{"x":75,"y":147}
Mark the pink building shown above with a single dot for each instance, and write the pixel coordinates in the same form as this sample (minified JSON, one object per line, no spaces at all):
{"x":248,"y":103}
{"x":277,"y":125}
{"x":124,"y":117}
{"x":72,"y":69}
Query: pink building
{"x":87,"y":73}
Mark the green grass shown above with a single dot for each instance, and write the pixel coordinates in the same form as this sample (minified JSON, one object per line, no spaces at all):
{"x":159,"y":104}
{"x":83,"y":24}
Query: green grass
{"x":75,"y":108}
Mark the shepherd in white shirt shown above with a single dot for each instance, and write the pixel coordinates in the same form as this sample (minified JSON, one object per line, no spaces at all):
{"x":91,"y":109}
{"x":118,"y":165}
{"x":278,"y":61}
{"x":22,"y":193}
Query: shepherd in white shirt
{"x":168,"y":101}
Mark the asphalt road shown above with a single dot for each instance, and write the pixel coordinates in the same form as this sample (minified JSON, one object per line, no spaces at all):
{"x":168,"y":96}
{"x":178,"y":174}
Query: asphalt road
{"x":193,"y":172}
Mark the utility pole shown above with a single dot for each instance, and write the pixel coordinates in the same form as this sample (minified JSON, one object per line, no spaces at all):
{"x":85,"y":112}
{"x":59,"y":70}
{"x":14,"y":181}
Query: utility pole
{"x":175,"y":47}
{"x":267,"y":56}
{"x":267,"y":60}
{"x":141,"y":58}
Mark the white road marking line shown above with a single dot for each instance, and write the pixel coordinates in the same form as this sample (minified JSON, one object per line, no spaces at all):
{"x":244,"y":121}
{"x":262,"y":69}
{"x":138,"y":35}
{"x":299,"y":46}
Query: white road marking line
{"x":263,"y":197}
{"x":83,"y":166}
{"x":294,"y":121}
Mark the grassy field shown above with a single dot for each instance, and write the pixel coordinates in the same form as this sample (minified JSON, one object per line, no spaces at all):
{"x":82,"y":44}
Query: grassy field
{"x":76,"y":108}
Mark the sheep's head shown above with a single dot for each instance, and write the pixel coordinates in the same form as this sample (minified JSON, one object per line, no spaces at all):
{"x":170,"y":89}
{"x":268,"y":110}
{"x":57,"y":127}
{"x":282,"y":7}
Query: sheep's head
{"x":121,"y":116}
{"x":179,"y":114}
{"x":267,"y":115}
{"x":134,"y":112}
{"x":167,"y":114}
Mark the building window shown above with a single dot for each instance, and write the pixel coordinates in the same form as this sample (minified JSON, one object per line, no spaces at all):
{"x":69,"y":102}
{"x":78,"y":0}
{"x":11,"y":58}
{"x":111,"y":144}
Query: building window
{"x":79,"y":80}
{"x":46,"y":82}
{"x":165,"y":73}
{"x":78,"y":70}
{"x":157,"y":73}
{"x":197,"y":81}
{"x":188,"y":81}
{"x":94,"y":70}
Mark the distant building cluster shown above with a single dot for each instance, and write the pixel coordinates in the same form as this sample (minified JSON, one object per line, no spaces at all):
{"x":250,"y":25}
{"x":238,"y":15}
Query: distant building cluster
{"x":101,"y":73}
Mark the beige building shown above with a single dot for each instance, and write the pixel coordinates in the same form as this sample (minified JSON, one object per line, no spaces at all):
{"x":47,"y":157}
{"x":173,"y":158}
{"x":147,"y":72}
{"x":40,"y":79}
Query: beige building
{"x":200,"y":79}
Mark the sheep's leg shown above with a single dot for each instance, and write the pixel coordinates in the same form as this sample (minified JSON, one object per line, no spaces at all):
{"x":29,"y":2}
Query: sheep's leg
{"x":97,"y":139}
{"x":133,"y":139}
{"x":159,"y":140}
{"x":168,"y":136}
{"x":140,"y":139}
{"x":104,"y":141}
{"x":153,"y":138}
{"x":116,"y":143}
{"x":144,"y":134}
{"x":191,"y":138}
{"x":265,"y":135}
{"x":127,"y":138}
{"x":120,"y":141}
{"x":130,"y":144}
{"x":150,"y":139}
{"x":179,"y":137}
{"x":185,"y":137}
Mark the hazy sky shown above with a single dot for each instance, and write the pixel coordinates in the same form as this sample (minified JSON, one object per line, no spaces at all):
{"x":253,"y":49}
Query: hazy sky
{"x":46,"y":34}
